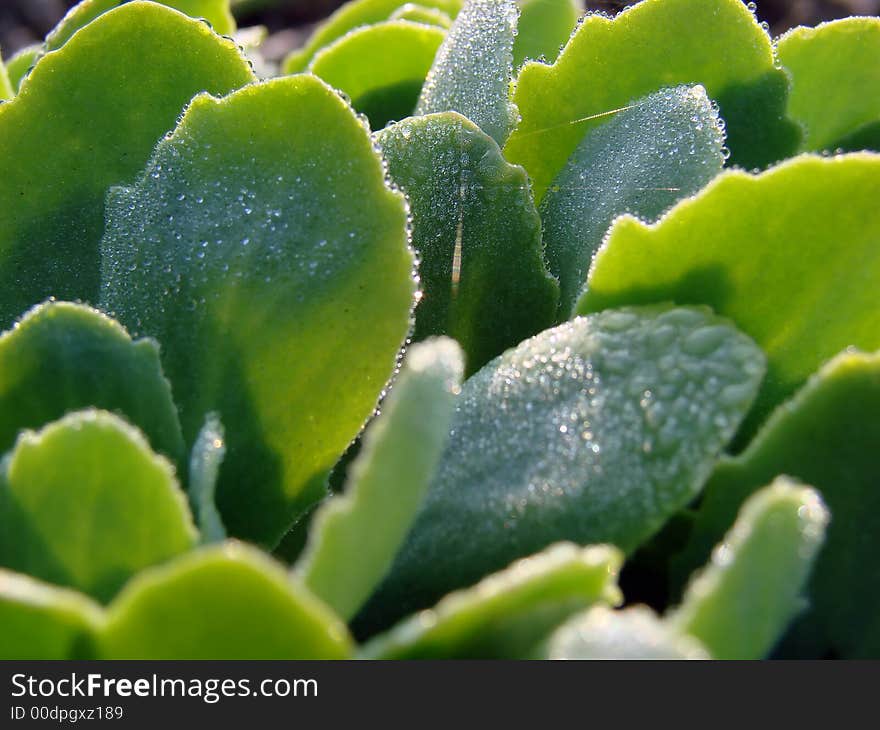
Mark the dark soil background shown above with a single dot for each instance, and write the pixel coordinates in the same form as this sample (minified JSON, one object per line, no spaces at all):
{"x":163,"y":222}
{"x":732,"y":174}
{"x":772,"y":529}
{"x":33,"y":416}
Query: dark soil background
{"x":23,"y":22}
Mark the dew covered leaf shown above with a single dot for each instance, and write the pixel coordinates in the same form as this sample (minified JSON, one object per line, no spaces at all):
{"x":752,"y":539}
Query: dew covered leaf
{"x":40,"y":621}
{"x":272,"y":264}
{"x":472,"y":70}
{"x":827,"y":435}
{"x":354,"y":537}
{"x":544,"y":27}
{"x":608,"y":64}
{"x":421,"y":14}
{"x":634,"y":633}
{"x":741,"y":603}
{"x":835,"y":80}
{"x":354,"y":15}
{"x":84,"y":503}
{"x":87,"y":118}
{"x":508,"y":614}
{"x":596,"y":431}
{"x":224,"y":602}
{"x":204,"y":470}
{"x":63,"y":357}
{"x":646,"y":158}
{"x":17,"y":66}
{"x":790,"y":256}
{"x":381,"y":67}
{"x":216,"y":12}
{"x":477,"y":232}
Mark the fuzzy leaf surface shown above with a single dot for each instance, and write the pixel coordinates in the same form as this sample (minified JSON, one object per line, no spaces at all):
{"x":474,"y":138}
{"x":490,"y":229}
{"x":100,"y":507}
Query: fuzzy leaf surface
{"x":789,"y":255}
{"x":477,"y":232}
{"x":610,"y":63}
{"x":88,"y":118}
{"x":272,"y":264}
{"x":596,"y":431}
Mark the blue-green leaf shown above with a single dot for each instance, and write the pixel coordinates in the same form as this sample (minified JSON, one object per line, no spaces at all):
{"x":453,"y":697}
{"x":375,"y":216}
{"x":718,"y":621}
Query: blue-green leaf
{"x":659,"y":150}
{"x":477,"y":232}
{"x":472,"y":70}
{"x":272,"y":264}
{"x":596,"y":431}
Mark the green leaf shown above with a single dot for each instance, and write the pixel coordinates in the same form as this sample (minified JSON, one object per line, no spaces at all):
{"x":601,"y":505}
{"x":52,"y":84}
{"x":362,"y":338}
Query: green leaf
{"x":7,"y":90}
{"x":544,"y":27}
{"x":354,"y":15}
{"x":216,"y":12}
{"x":635,"y":633}
{"x":608,"y":64}
{"x":478,"y":234}
{"x":204,"y":470}
{"x":21,"y":63}
{"x":472,"y":69}
{"x":826,"y":436}
{"x":224,"y":602}
{"x":421,"y":14}
{"x":353,"y":539}
{"x":790,"y":256}
{"x":381,"y":67}
{"x":647,"y":157}
{"x":85,"y":503}
{"x":88,"y":118}
{"x":272,"y":264}
{"x":63,"y":357}
{"x":40,"y":621}
{"x":508,"y":614}
{"x":742,"y":602}
{"x":596,"y":431}
{"x":835,"y":79}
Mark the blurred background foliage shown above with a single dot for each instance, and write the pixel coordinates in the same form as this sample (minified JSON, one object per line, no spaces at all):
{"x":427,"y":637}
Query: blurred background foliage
{"x":289,"y":22}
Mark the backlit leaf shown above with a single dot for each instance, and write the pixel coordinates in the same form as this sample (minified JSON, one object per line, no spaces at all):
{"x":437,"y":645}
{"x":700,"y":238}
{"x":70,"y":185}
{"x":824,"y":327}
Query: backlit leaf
{"x":740,"y":604}
{"x":87,"y":118}
{"x":223,"y":602}
{"x":610,"y":63}
{"x":790,"y":255}
{"x":85,"y":503}
{"x":20,"y":64}
{"x":354,"y":15}
{"x":354,"y":537}
{"x":381,"y":67}
{"x":7,"y":90}
{"x":40,"y":621}
{"x":63,"y":357}
{"x":272,"y":264}
{"x":544,"y":27}
{"x":835,"y":80}
{"x":216,"y":12}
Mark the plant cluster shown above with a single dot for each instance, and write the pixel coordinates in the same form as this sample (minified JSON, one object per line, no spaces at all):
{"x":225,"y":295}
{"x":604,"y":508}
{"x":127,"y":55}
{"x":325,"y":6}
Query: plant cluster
{"x":445,"y":342}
